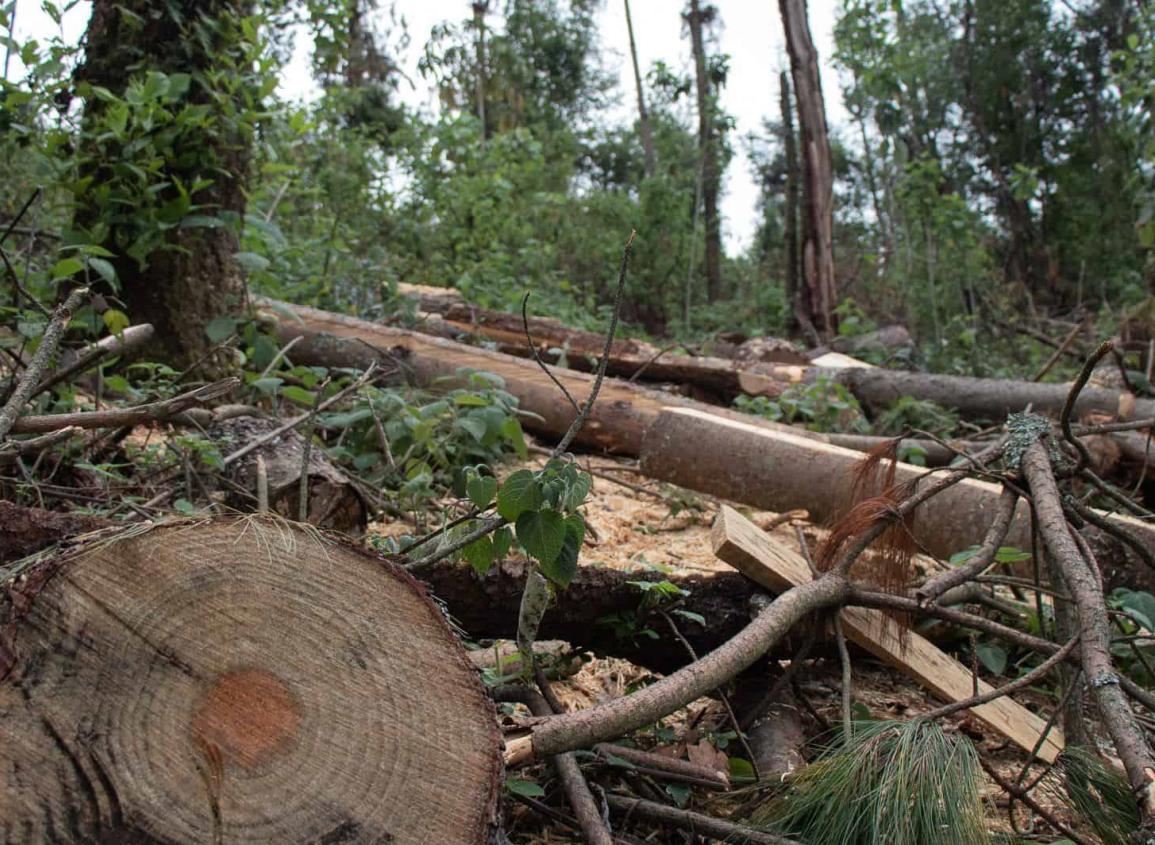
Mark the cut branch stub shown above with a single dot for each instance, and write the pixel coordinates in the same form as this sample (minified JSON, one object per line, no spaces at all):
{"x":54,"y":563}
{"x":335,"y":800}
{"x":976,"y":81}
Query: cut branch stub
{"x":237,"y":680}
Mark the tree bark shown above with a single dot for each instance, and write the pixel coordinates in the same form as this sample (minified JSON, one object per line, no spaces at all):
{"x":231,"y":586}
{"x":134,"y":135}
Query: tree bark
{"x":708,"y":151}
{"x":192,"y":278}
{"x":651,"y":159}
{"x":25,"y":531}
{"x":820,"y":292}
{"x":237,"y":680}
{"x":799,"y":318}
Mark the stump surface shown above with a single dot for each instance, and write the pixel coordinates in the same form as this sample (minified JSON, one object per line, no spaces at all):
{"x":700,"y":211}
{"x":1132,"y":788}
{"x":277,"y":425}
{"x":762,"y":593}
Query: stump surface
{"x":237,"y":680}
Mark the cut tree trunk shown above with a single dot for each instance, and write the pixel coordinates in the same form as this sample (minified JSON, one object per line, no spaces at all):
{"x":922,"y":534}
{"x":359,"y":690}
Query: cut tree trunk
{"x":333,"y":501}
{"x":778,"y":471}
{"x":237,"y":680}
{"x":617,"y":424}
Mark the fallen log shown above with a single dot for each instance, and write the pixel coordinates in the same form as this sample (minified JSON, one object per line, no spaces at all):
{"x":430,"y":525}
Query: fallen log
{"x":759,"y":557}
{"x":617,"y":424}
{"x":599,"y":611}
{"x":776,"y":471}
{"x":977,"y":398}
{"x":237,"y":680}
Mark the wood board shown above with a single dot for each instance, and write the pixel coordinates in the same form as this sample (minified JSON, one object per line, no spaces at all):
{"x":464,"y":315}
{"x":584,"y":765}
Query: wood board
{"x":740,"y":543}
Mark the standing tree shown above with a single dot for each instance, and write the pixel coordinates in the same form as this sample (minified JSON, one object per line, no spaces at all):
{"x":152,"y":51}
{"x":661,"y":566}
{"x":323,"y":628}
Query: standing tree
{"x":819,"y":293}
{"x":643,"y":115}
{"x":480,"y":10}
{"x":798,"y":319}
{"x":170,"y":98}
{"x":698,"y":18}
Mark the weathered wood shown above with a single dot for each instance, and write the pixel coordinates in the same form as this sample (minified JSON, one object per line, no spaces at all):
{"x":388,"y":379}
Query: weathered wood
{"x":334,"y":502}
{"x":25,"y":531}
{"x":747,"y":548}
{"x":778,"y":471}
{"x":237,"y":680}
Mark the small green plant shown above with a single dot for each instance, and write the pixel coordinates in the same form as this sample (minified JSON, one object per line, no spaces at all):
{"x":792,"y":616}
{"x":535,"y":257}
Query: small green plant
{"x":907,"y":413}
{"x":824,"y":405}
{"x":899,"y":783}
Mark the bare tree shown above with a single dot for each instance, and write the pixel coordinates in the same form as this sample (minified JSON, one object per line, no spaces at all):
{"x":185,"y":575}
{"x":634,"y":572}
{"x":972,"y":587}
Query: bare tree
{"x":819,"y":293}
{"x":480,"y":9}
{"x":643,"y":114}
{"x":697,"y":18}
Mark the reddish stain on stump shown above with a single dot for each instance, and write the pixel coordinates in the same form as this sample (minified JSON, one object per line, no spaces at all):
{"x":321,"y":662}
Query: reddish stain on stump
{"x":248,"y":714}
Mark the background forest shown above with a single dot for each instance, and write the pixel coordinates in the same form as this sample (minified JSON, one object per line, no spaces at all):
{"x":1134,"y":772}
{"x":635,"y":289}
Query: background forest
{"x":1000,"y":163}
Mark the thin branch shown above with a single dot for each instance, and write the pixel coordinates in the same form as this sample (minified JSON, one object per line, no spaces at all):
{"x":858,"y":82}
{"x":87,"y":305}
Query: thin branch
{"x":89,"y":356}
{"x":1022,"y":795}
{"x":537,"y":357}
{"x":1073,"y":395}
{"x":1026,"y":680}
{"x":695,"y":823}
{"x":39,"y":363}
{"x":982,"y":558}
{"x":133,"y":415}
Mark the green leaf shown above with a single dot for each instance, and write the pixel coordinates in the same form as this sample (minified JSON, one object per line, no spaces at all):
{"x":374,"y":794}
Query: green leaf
{"x":297,"y":394}
{"x":576,"y":491}
{"x":502,"y":540}
{"x":741,"y":769}
{"x":1010,"y":554}
{"x":220,"y":328}
{"x":542,"y":534}
{"x":526,"y":788}
{"x":251,"y":261}
{"x":479,"y":554}
{"x":689,"y":614}
{"x":521,"y":492}
{"x":481,"y":489}
{"x":115,"y":321}
{"x":104,"y":268}
{"x":511,"y":431}
{"x":474,"y":426}
{"x":564,"y":567}
{"x":66,"y":267}
{"x":992,"y":656}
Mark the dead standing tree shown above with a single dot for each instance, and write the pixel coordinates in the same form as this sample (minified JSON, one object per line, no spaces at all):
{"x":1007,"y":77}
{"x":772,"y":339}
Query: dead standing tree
{"x":819,"y":291}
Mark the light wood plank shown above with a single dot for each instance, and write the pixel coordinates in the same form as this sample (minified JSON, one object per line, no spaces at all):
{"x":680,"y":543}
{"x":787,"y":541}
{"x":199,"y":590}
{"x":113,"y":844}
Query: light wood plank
{"x":764,"y":560}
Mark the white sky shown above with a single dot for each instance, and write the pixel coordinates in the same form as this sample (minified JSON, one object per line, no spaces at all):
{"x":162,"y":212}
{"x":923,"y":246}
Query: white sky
{"x":751,"y":33}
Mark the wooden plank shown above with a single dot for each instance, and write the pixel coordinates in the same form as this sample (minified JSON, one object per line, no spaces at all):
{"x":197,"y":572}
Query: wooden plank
{"x":762,"y":559}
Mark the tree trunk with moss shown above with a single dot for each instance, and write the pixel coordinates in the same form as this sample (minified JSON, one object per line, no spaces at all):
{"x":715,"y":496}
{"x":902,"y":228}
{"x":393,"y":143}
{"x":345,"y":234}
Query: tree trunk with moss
{"x":165,"y":151}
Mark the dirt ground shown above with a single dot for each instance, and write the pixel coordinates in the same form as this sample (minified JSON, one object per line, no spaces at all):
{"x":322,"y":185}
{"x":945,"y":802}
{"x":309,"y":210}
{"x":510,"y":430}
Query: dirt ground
{"x":638,"y":523}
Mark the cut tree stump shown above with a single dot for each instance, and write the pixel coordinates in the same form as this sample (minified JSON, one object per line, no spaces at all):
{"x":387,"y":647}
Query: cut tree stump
{"x":759,"y":557}
{"x":239,"y":679}
{"x":334,"y":502}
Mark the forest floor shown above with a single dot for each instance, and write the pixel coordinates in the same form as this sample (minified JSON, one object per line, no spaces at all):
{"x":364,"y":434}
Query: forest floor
{"x":639,"y":524}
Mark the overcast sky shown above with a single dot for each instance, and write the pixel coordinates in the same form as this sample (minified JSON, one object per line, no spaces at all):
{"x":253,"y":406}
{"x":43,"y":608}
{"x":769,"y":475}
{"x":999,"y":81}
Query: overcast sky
{"x":751,"y":32}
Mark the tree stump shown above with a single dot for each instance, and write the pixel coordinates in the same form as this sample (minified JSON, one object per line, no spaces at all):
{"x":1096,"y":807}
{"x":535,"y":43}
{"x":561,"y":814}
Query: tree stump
{"x":239,"y":679}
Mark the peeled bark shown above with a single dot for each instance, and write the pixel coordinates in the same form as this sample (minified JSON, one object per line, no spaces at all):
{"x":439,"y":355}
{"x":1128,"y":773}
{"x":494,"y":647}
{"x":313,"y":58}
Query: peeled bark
{"x":237,"y":680}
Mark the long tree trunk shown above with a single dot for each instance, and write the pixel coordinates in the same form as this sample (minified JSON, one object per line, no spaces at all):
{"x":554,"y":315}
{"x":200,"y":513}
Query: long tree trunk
{"x":817,"y":170}
{"x":176,"y":276}
{"x":799,"y":319}
{"x":643,"y":114}
{"x":708,"y":149}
